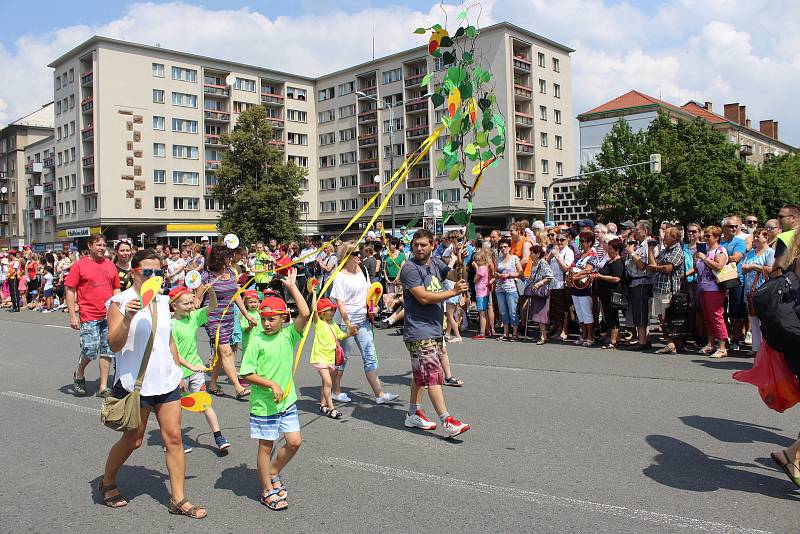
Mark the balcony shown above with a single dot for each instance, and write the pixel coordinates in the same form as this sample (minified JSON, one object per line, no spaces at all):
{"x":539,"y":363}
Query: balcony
{"x":87,"y":104}
{"x":218,"y":116}
{"x":50,"y":212}
{"x":368,"y":116}
{"x":49,"y":187}
{"x":87,"y":78}
{"x":369,"y":91}
{"x":212,"y":164}
{"x":275,"y":122}
{"x":33,"y":167}
{"x":523,"y":119}
{"x":270,"y":99}
{"x":280,"y":145}
{"x":524,"y":148}
{"x":210,"y":89}
{"x":524,"y":175}
{"x":49,"y":163}
{"x":368,"y":164}
{"x":523,"y":92}
{"x":37,"y":214}
{"x":38,"y":190}
{"x":367,"y":140}
{"x":418,"y":183}
{"x":521,"y":64}
{"x":88,"y":161}
{"x":214,"y":140}
{"x":88,"y":189}
{"x":417,"y":131}
{"x":746,"y":150}
{"x":367,"y":189}
{"x":4,"y":217}
{"x":413,"y":81}
{"x":416,"y":105}
{"x":87,"y":134}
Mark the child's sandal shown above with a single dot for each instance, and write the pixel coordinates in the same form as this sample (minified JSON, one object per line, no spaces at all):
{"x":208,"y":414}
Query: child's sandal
{"x":276,"y":504}
{"x":334,"y":414}
{"x":324,"y":409}
{"x":280,"y":489}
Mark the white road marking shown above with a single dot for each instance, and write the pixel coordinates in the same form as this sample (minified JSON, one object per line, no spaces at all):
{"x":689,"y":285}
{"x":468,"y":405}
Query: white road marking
{"x":543,"y":499}
{"x":50,"y":402}
{"x":57,"y":326}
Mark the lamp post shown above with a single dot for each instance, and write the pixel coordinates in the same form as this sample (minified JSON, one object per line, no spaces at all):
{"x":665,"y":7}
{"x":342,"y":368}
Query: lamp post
{"x":387,"y":107}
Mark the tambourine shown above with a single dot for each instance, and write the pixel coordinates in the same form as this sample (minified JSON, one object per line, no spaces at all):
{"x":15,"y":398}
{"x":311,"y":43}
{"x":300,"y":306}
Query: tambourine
{"x":581,"y":283}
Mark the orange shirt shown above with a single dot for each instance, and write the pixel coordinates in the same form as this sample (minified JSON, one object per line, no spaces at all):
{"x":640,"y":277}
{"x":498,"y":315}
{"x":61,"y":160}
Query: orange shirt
{"x":516,"y":250}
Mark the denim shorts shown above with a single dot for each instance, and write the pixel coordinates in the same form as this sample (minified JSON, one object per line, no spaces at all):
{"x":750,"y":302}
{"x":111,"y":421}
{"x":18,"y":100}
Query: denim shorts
{"x":94,"y":340}
{"x":482,"y":303}
{"x":270,"y":427}
{"x":149,"y":401}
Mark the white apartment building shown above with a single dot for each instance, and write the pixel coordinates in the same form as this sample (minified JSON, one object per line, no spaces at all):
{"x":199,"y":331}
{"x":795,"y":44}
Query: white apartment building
{"x":41,"y":194}
{"x":140,"y":149}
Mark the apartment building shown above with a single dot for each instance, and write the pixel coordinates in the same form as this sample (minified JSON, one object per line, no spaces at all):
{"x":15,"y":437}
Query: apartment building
{"x":14,"y":173}
{"x":140,"y":145}
{"x":40,"y":190}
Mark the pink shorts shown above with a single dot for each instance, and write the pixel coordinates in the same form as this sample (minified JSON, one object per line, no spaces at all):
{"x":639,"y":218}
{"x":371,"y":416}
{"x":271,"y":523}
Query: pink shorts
{"x":321,"y":366}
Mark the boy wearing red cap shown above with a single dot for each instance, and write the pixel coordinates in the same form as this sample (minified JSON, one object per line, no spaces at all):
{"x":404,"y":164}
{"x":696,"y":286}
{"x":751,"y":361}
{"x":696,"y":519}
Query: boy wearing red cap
{"x":185,"y":323}
{"x":323,"y":354}
{"x":268,"y":365}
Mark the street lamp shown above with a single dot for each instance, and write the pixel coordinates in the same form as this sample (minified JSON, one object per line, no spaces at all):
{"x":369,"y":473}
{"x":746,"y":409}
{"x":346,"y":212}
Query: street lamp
{"x":387,"y":107}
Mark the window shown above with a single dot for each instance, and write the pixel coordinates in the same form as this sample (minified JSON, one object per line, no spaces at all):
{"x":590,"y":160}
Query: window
{"x":559,"y":144}
{"x":61,"y":208}
{"x":158,"y":70}
{"x":347,"y":135}
{"x":158,"y":122}
{"x":348,"y":181}
{"x":184,"y":125}
{"x":557,"y":116}
{"x":326,"y":94}
{"x":529,"y":190}
{"x":348,"y":204}
{"x":517,"y":191}
{"x":239,"y":107}
{"x":58,"y":82}
{"x":158,"y":96}
{"x":449,"y":195}
{"x":71,"y":101}
{"x":58,"y":132}
{"x":543,"y":113}
{"x":393,"y":100}
{"x":327,"y":116}
{"x":437,"y":116}
{"x":398,"y":125}
{"x":420,"y":197}
{"x":60,"y":183}
{"x":328,"y":206}
{"x":346,"y":158}
{"x":556,"y":90}
{"x":327,"y":184}
{"x":541,"y":59}
{"x":159,"y":176}
{"x":72,"y":128}
{"x":75,"y":207}
{"x":159,"y":150}
{"x":327,"y":161}
{"x":295,"y":93}
{"x":304,"y":208}
{"x":294,"y":115}
{"x":556,"y":64}
{"x":441,"y":141}
{"x":327,"y":138}
{"x":297,"y":139}
{"x":68,"y":210}
{"x":186,"y":203}
{"x":559,"y":168}
{"x":304,"y":183}
{"x":543,"y":87}
{"x":391,"y":76}
{"x":399,"y":150}
{"x":184,"y":152}
{"x":58,"y":108}
{"x":300,"y":161}
{"x":399,"y":199}
{"x":244,"y":84}
{"x":347,"y":111}
{"x":545,"y":166}
{"x":74,"y":181}
{"x":184,"y":75}
{"x":185,"y":178}
{"x":543,"y":137}
{"x":346,"y":88}
{"x":184,"y":100}
{"x":209,"y":203}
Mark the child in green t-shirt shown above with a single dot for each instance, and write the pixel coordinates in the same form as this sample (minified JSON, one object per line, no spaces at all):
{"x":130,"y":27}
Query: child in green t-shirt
{"x":186,"y":320}
{"x":251,"y":302}
{"x":323,"y":353}
{"x":268,"y":365}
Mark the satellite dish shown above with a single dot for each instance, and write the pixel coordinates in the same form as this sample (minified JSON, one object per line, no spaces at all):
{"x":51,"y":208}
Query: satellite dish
{"x":3,"y":190}
{"x":230,"y":79}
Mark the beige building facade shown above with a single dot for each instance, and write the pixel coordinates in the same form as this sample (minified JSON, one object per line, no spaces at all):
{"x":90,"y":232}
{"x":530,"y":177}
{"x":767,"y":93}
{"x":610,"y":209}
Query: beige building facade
{"x":137,"y":134}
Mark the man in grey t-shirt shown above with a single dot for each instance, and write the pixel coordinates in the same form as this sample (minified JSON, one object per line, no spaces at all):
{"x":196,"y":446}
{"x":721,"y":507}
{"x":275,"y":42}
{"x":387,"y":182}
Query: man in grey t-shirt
{"x":423,"y":295}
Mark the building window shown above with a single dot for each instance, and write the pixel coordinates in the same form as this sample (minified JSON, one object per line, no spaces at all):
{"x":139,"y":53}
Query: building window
{"x":58,"y":83}
{"x":557,"y":116}
{"x":559,"y":144}
{"x":348,"y":204}
{"x":545,"y":166}
{"x":346,"y":158}
{"x":559,"y":168}
{"x":186,"y":204}
{"x":304,"y":208}
{"x":327,"y":184}
{"x":297,"y":139}
{"x":185,"y":178}
{"x":184,"y":152}
{"x":556,"y":90}
{"x":325,"y":94}
{"x":328,"y":206}
{"x":244,"y":84}
{"x":529,"y":190}
{"x":295,"y":93}
{"x":347,"y":135}
{"x":294,"y":115}
{"x":348,"y":181}
{"x":158,"y":96}
{"x":158,"y":70}
{"x":159,"y":150}
{"x":159,"y":176}
{"x":391,"y":76}
{"x":71,"y":101}
{"x":160,"y":203}
{"x":72,"y":128}
{"x":184,"y":75}
{"x":347,"y":111}
{"x":517,"y":191}
{"x":240,"y":107}
{"x":71,"y":75}
{"x":449,"y":195}
{"x":184,"y":100}
{"x":304,"y":184}
{"x":398,"y":125}
{"x":158,"y":122}
{"x":556,"y":65}
{"x":327,"y":138}
{"x":327,"y":116}
{"x":543,"y":87}
{"x":419,"y":198}
{"x":347,"y":88}
{"x":327,"y":161}
{"x":300,"y":161}
{"x":541,"y":59}
{"x":399,"y":199}
{"x":184,"y":125}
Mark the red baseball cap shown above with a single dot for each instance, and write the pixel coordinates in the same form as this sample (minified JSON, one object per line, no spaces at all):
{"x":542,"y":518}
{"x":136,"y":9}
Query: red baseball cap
{"x":177,"y":291}
{"x":12,"y":251}
{"x":272,"y":306}
{"x":326,"y":304}
{"x":250,"y":294}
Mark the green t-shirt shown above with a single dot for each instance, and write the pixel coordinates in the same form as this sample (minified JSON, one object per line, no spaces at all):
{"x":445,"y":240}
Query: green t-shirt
{"x":263,"y":261}
{"x":271,"y":357}
{"x":393,"y":264}
{"x":184,"y":331}
{"x":245,"y":323}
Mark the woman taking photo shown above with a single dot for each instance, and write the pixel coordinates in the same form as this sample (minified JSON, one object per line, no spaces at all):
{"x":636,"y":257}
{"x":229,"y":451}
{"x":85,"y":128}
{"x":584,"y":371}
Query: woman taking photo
{"x":122,"y":260}
{"x":712,"y":298}
{"x":561,"y":258}
{"x":538,"y":292}
{"x":219,"y":328}
{"x":129,"y":330}
{"x":507,"y":270}
{"x":608,"y":281}
{"x":580,"y":281}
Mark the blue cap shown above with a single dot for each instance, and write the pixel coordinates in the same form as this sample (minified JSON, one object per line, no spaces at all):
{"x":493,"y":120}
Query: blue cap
{"x":549,"y":224}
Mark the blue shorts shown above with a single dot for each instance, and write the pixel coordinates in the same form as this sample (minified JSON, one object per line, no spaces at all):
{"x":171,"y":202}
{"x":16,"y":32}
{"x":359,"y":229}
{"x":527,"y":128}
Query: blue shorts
{"x":482,"y":303}
{"x":48,"y":293}
{"x":270,"y":427}
{"x":149,"y":401}
{"x":94,"y":340}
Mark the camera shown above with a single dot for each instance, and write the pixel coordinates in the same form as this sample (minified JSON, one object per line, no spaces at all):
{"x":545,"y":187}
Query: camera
{"x":652,"y":242}
{"x":632,"y":242}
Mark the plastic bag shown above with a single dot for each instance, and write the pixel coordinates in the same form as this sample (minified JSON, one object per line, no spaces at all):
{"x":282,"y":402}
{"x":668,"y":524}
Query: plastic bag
{"x":776,"y":383}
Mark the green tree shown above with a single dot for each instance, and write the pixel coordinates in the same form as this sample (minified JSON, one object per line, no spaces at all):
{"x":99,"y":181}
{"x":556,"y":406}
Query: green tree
{"x":259,"y":190}
{"x":780,"y":179}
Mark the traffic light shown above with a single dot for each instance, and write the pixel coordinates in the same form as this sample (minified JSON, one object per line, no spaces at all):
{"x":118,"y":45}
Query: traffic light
{"x":655,"y":163}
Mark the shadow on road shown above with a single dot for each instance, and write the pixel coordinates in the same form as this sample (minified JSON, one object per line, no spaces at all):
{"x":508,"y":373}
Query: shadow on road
{"x":241,"y":480}
{"x":683,"y":466}
{"x":134,"y":480}
{"x":725,"y":365}
{"x":732,"y":431}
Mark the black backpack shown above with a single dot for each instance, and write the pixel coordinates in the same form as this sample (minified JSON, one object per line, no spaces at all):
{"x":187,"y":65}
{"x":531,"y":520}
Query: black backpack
{"x":777,"y":304}
{"x":679,"y":317}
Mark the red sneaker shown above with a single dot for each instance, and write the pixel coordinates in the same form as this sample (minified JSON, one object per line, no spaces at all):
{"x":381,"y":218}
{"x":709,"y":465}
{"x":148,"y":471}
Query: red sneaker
{"x":478,"y":336}
{"x":454,"y":427}
{"x":418,"y":420}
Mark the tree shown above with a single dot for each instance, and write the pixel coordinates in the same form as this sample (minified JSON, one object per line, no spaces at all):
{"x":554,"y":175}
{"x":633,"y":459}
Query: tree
{"x":259,"y":190}
{"x":780,"y":179}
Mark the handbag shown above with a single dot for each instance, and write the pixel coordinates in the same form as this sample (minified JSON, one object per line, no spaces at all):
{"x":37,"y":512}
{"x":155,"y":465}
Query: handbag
{"x":541,"y":292}
{"x":338,"y":354}
{"x":124,"y":414}
{"x":751,"y":311}
{"x":619,"y":301}
{"x":727,"y":277}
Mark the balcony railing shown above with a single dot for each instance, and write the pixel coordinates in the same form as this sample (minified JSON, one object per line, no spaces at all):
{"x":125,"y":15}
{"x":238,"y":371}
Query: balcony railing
{"x":522,"y":64}
{"x":87,"y":78}
{"x":33,"y":167}
{"x":526,"y":175}
{"x":524,"y":148}
{"x":214,"y":115}
{"x":523,"y":91}
{"x":412,"y":81}
{"x":368,"y":140}
{"x":369,"y":91}
{"x":746,"y":150}
{"x":275,"y":123}
{"x":212,"y":164}
{"x":49,"y":187}
{"x":418,"y":183}
{"x":88,"y":189}
{"x":49,"y":212}
{"x":280,"y":145}
{"x":88,"y":161}
{"x":365,"y":164}
{"x":368,"y":116}
{"x":417,"y":104}
{"x":523,"y":119}
{"x":271,"y":99}
{"x":213,"y":139}
{"x":210,"y":89}
{"x":417,"y":131}
{"x":87,"y":133}
{"x":37,"y":214}
{"x":368,"y":188}
{"x":49,"y":162}
{"x":38,"y":190}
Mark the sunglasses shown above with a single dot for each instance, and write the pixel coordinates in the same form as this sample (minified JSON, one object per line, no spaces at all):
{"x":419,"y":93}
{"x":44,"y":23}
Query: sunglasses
{"x":356,"y":254}
{"x":770,"y":228}
{"x":551,"y":235}
{"x":561,"y":240}
{"x":587,"y":241}
{"x":751,"y":222}
{"x":693,"y":232}
{"x":504,"y":246}
{"x":147,"y":273}
{"x":708,"y":235}
{"x":733,"y":226}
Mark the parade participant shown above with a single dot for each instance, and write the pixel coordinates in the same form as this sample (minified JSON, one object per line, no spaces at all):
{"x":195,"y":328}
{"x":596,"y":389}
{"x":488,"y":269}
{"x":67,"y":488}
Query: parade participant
{"x":580,"y":278}
{"x":789,"y":218}
{"x":423,"y":296}
{"x":506,"y":272}
{"x":90,"y":283}
{"x":393,"y":263}
{"x":309,"y":258}
{"x":712,"y":298}
{"x":122,"y":261}
{"x":221,"y":320}
{"x":521,"y":247}
{"x":13,"y":275}
{"x":261,"y":267}
{"x":268,"y":364}
{"x":327,"y":335}
{"x":185,"y":322}
{"x":129,"y":328}
{"x":250,"y":328}
{"x":282,"y":259}
{"x":756,"y":267}
{"x":349,"y":292}
{"x":608,"y":281}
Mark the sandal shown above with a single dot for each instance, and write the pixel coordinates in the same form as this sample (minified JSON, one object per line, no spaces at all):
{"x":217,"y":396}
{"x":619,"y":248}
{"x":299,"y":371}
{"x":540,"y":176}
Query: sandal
{"x":334,"y":414}
{"x":453,"y":381}
{"x":609,"y":346}
{"x":541,"y":341}
{"x":667,"y":350}
{"x":324,"y":410}
{"x":217,"y":391}
{"x":277,"y":478}
{"x":785,"y":466}
{"x":79,"y":385}
{"x":276,"y":504}
{"x":718,"y":354}
{"x":176,"y":508}
{"x":244,"y":393}
{"x":112,"y":501}
{"x":706,"y":350}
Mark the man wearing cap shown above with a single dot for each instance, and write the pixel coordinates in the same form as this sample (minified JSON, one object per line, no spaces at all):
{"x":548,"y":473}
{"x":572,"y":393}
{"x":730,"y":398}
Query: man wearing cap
{"x":13,"y":276}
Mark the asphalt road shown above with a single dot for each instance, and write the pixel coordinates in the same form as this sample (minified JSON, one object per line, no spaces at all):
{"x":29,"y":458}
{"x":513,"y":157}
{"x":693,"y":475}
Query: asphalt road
{"x":564,"y":439}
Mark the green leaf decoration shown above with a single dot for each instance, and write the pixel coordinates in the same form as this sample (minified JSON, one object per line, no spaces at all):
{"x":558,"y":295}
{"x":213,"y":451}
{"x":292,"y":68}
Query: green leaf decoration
{"x":448,"y":58}
{"x":447,"y":150}
{"x":459,"y":33}
{"x":482,"y":139}
{"x":461,"y":16}
{"x":437,"y":101}
{"x":500,"y":151}
{"x":460,"y":217}
{"x":471,"y":232}
{"x":466,"y":57}
{"x":456,"y":75}
{"x":471,"y":32}
{"x":446,"y":218}
{"x":487,"y":123}
{"x":426,"y":80}
{"x":420,"y":31}
{"x":453,"y":174}
{"x":437,"y":53}
{"x":501,"y":130}
{"x":455,"y":126}
{"x":498,"y":119}
{"x":484,"y":103}
{"x":498,"y":140}
{"x":436,"y":27}
{"x":446,"y":42}
{"x":455,"y":144}
{"x":474,"y":157}
{"x":466,"y":90}
{"x":470,"y":149}
{"x":413,"y":222}
{"x":486,"y":155}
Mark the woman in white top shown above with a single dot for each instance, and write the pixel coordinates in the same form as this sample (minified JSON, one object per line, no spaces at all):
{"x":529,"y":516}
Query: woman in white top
{"x":349,"y":291}
{"x":129,"y":329}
